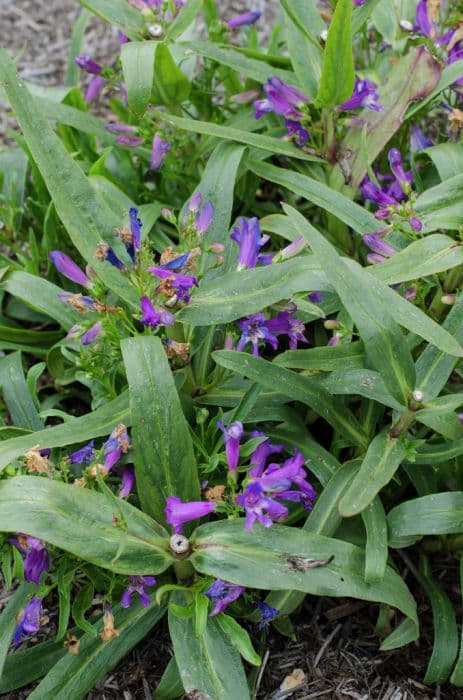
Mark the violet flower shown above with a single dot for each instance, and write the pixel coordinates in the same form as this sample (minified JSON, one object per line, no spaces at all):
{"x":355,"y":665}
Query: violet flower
{"x":178,"y":513}
{"x":282,"y":99}
{"x":287,"y":324}
{"x":247,"y":235}
{"x":130,"y":141}
{"x":195,"y":202}
{"x":254,"y":329}
{"x":176,"y":263}
{"x":86,"y":63}
{"x":94,"y":88}
{"x":117,"y":443}
{"x":123,"y":39}
{"x":377,"y":245}
{"x":245,"y":18}
{"x":37,"y":558}
{"x":159,"y":151}
{"x":418,"y":140}
{"x":232,"y":437}
{"x":137,"y":585}
{"x":29,"y":620}
{"x":278,"y":480}
{"x":260,"y":507}
{"x":120,"y":128}
{"x":128,"y":481}
{"x":267,"y":613}
{"x":204,"y":218}
{"x":152,"y":316}
{"x":397,"y":169}
{"x":456,"y":54}
{"x":180,"y":284}
{"x":67,"y":267}
{"x":316,"y":297}
{"x":415,"y":223}
{"x":222,"y":594}
{"x":92,"y":334}
{"x":261,"y":454}
{"x":369,"y":190}
{"x":364,"y":95}
{"x":84,"y":455}
{"x":135,"y":227}
{"x":297,"y":132}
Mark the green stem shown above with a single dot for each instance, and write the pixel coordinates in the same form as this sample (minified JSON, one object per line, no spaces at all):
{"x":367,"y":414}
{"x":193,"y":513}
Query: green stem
{"x":183,"y":570}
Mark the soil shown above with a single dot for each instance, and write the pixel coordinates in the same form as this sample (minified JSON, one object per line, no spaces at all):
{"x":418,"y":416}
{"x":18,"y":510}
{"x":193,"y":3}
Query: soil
{"x":336,"y":646}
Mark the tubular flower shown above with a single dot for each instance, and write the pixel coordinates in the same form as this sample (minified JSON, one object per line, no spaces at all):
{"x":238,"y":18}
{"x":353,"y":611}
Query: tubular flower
{"x":178,"y":513}
{"x":152,"y":316}
{"x":287,"y":324}
{"x":260,"y":507}
{"x":278,"y":480}
{"x":377,"y":245}
{"x":85,"y":455}
{"x":128,"y":481}
{"x":94,"y":88}
{"x":204,"y":218}
{"x":221,"y":594}
{"x":248,"y":236}
{"x":297,"y":132}
{"x":159,"y":150}
{"x":80,"y":303}
{"x":261,"y":454}
{"x":67,"y":267}
{"x":282,"y":99}
{"x":232,"y":437}
{"x":364,"y":95}
{"x":267,"y":613}
{"x":137,"y":585}
{"x":29,"y":620}
{"x":254,"y":329}
{"x":397,"y":169}
{"x":92,"y":334}
{"x":86,"y":63}
{"x":117,"y":443}
{"x":418,"y":140}
{"x":37,"y":558}
{"x":245,"y":18}
{"x":174,"y":284}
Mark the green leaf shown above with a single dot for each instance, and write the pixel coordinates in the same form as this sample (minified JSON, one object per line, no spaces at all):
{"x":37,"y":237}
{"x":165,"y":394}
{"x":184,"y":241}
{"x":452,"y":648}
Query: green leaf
{"x":445,"y":647}
{"x":352,"y":214}
{"x":363,"y":382}
{"x":457,"y":675}
{"x":24,"y":667}
{"x":170,"y":687}
{"x":344,"y":356}
{"x":261,"y":141}
{"x":70,"y":116}
{"x":381,"y":461}
{"x":440,"y":206}
{"x":78,"y":31}
{"x":303,"y":26}
{"x":137,"y":59}
{"x":164,"y":459}
{"x":65,"y":577}
{"x":337,"y":79}
{"x":376,"y":551}
{"x":8,"y":619}
{"x":437,"y":514}
{"x":450,"y":74}
{"x":279,"y":558}
{"x":447,"y":157}
{"x":16,"y":394}
{"x":239,"y":638}
{"x":119,"y":13}
{"x":298,"y":387}
{"x":83,"y":215}
{"x":171,"y":85}
{"x":245,"y":292}
{"x":384,"y":343}
{"x":82,"y":522}
{"x":325,"y":518}
{"x":442,"y":421}
{"x":99,"y":423}
{"x":209,"y":664}
{"x":81,"y":603}
{"x":182,"y":21}
{"x":432,"y":453}
{"x":74,"y":676}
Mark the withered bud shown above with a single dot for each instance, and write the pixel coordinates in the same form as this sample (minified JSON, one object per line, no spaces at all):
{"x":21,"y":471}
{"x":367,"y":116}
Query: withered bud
{"x":35,"y":462}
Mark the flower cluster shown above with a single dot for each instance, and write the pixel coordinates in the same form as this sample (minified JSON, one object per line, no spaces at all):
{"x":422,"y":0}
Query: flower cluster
{"x":257,"y":328}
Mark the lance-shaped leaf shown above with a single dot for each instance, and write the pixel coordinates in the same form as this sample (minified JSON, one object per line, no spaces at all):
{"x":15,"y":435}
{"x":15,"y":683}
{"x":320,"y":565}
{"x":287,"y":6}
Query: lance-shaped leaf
{"x":304,"y":25}
{"x":280,"y":558}
{"x":208,"y":664}
{"x":185,"y":17}
{"x":437,"y":514}
{"x":412,"y":78}
{"x":86,"y":218}
{"x":384,"y":343}
{"x":376,"y":551}
{"x":137,"y":59}
{"x":381,"y":461}
{"x":457,"y":675}
{"x":299,"y":388}
{"x":237,"y":294}
{"x":119,"y":13}
{"x":440,"y":206}
{"x":104,"y":531}
{"x":165,"y":464}
{"x":170,"y":86}
{"x":432,"y":453}
{"x":9,"y":620}
{"x":74,"y":676}
{"x":337,"y":79}
{"x":16,"y":394}
{"x":100,"y":422}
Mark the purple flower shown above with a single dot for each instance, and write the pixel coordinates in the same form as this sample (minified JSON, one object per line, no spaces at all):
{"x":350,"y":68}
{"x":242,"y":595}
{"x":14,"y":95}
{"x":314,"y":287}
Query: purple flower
{"x":297,"y":131}
{"x":364,"y":95}
{"x":135,"y":227}
{"x":123,"y":39}
{"x":67,"y":267}
{"x":120,"y":128}
{"x":130,"y":141}
{"x":181,"y":284}
{"x":178,"y":513}
{"x":397,"y":169}
{"x":278,"y":480}
{"x":152,"y":316}
{"x":375,"y":194}
{"x":261,"y":454}
{"x":204,"y":218}
{"x":86,"y":63}
{"x":117,"y":443}
{"x":282,"y":99}
{"x":29,"y":620}
{"x":418,"y":140}
{"x":85,"y":455}
{"x":195,"y":202}
{"x":292,"y":249}
{"x":137,"y":585}
{"x":37,"y":558}
{"x":267,"y":613}
{"x":79,"y":302}
{"x":248,"y":235}
{"x":128,"y":481}
{"x":423,"y":21}
{"x":176,"y":263}
{"x":377,"y":245}
{"x":316,"y":297}
{"x":232,"y":437}
{"x":92,"y":334}
{"x":287,"y":324}
{"x":260,"y":507}
{"x":254,"y":329}
{"x":245,"y":18}
{"x":222,"y":594}
{"x":159,"y":151}
{"x":415,"y":223}
{"x":112,"y":258}
{"x":94,"y":88}
{"x":456,"y":54}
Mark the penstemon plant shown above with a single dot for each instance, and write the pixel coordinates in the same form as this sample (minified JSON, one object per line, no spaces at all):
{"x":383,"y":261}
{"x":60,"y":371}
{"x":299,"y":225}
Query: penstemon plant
{"x":243,"y":290}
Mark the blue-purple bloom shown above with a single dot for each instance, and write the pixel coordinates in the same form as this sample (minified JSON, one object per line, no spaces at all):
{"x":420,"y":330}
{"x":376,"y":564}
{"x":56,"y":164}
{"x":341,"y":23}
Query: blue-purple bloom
{"x":130,"y":141}
{"x":86,"y":63}
{"x":117,"y":443}
{"x":137,"y":585}
{"x":153,"y":316}
{"x":92,"y":334}
{"x":375,"y":194}
{"x":67,"y":267}
{"x":173,"y":282}
{"x":364,"y":95}
{"x":232,"y":437}
{"x":287,"y":324}
{"x":178,"y":513}
{"x":261,"y":454}
{"x":195,"y":202}
{"x":248,"y":235}
{"x":37,"y":558}
{"x":267,"y":613}
{"x":94,"y":88}
{"x":260,"y":507}
{"x":254,"y":329}
{"x":128,"y":481}
{"x":397,"y":168}
{"x":204,"y":218}
{"x":316,"y":297}
{"x":159,"y":151}
{"x":277,"y":480}
{"x":29,"y":620}
{"x":297,"y":132}
{"x":176,"y":263}
{"x":377,"y":245}
{"x":245,"y":18}
{"x":84,"y":455}
{"x":282,"y":99}
{"x":222,"y":594}
{"x":418,"y":140}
